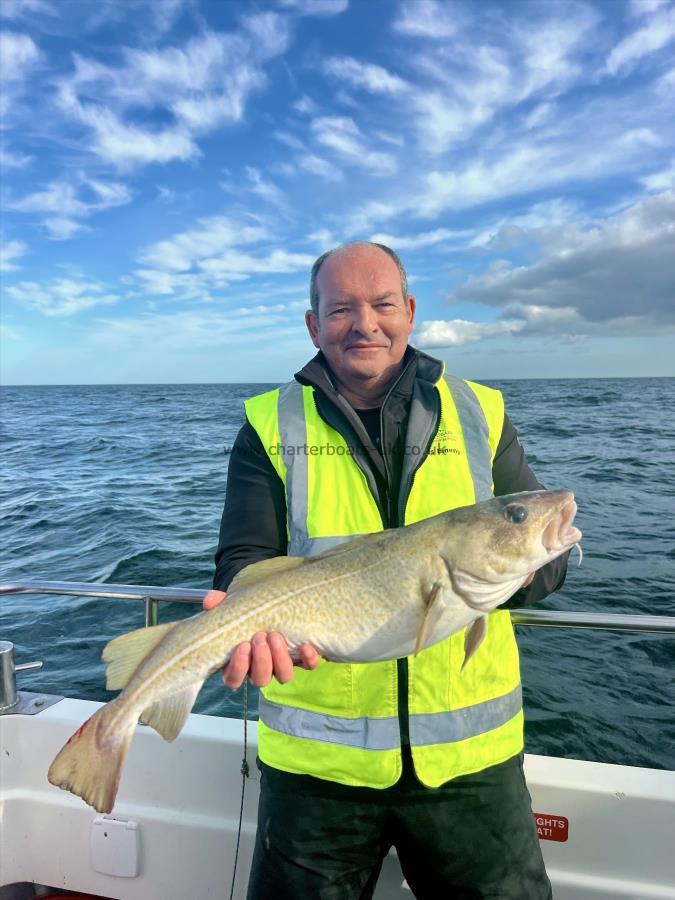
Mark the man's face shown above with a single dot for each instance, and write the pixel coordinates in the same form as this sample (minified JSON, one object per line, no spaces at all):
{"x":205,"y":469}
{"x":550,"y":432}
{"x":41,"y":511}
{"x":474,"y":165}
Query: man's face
{"x":364,"y":321}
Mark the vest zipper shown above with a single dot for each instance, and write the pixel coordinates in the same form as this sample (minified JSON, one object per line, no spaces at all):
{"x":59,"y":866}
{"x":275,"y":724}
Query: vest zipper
{"x":402,"y":668}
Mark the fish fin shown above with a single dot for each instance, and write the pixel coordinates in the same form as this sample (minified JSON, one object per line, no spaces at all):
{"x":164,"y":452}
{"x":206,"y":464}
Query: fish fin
{"x":432,"y":602}
{"x":168,"y":716}
{"x":257,"y":571}
{"x":90,"y":764}
{"x":474,"y":637}
{"x":125,"y":653}
{"x":347,"y":545}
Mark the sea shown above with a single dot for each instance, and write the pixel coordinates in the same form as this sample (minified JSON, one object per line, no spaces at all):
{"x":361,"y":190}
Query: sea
{"x":125,"y":484}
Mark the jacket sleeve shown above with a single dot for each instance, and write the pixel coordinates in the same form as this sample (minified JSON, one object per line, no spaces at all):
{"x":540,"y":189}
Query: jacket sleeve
{"x":253,"y":525}
{"x":511,"y":474}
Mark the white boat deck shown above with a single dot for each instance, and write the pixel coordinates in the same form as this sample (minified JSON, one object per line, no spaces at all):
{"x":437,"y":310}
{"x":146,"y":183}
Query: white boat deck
{"x":184,"y":798}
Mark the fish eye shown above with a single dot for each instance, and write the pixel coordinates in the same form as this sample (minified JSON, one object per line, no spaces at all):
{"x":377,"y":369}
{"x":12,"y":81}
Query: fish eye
{"x":515,"y":513}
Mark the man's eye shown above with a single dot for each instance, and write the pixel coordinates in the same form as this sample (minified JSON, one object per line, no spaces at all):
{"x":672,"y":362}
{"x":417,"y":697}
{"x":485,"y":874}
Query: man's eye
{"x":339,"y":310}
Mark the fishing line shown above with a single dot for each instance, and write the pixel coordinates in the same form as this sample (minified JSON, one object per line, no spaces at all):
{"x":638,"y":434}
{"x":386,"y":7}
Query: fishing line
{"x":244,"y":775}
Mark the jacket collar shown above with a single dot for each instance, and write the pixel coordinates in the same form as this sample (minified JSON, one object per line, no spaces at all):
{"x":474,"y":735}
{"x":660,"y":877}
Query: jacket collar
{"x":317,"y":374}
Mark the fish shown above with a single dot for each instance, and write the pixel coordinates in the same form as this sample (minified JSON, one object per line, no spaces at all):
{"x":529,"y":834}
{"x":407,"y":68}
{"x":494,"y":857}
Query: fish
{"x":377,"y":597}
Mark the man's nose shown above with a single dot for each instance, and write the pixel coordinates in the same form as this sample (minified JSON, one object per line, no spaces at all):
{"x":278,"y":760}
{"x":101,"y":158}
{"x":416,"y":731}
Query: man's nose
{"x":364,"y":319}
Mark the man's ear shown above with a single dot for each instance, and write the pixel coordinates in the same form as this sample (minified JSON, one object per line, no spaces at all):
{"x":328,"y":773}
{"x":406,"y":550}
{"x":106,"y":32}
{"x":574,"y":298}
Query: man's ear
{"x":313,"y":327}
{"x":412,"y":306}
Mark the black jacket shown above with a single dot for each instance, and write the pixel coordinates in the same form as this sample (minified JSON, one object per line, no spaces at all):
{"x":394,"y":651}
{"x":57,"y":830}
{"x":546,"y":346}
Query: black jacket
{"x":253,"y":525}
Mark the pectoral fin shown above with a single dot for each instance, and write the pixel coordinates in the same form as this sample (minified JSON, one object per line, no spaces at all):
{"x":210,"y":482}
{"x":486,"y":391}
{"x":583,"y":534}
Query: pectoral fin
{"x":433,"y":601}
{"x":168,"y":716}
{"x":474,"y":637}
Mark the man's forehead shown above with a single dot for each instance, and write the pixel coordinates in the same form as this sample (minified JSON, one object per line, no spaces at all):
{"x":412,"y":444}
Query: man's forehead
{"x":357,"y":262}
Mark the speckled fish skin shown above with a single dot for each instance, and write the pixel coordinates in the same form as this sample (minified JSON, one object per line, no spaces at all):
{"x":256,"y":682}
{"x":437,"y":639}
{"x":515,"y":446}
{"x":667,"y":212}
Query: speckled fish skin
{"x":380,"y":597}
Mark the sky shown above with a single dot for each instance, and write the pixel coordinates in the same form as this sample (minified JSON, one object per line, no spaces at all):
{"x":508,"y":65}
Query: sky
{"x":172,"y":168}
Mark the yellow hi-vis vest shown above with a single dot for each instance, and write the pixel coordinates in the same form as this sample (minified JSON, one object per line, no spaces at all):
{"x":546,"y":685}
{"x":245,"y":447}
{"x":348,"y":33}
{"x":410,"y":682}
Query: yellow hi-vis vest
{"x":340,"y":722}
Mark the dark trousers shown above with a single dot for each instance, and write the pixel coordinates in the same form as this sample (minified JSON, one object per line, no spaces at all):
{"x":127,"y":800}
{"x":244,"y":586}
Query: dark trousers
{"x":472,"y":838}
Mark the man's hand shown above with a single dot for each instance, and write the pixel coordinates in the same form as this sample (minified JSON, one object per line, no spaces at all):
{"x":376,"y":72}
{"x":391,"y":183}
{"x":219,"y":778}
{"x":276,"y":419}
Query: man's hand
{"x":264,"y":656}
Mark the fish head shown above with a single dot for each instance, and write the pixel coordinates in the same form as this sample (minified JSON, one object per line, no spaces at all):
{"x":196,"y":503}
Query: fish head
{"x":499,"y":542}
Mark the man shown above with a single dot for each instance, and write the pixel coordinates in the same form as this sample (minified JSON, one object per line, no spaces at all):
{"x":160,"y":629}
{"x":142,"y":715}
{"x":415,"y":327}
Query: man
{"x":449,"y":794}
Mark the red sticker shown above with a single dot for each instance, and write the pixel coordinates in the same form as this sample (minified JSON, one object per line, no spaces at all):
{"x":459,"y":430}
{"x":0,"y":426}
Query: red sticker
{"x":551,"y":828}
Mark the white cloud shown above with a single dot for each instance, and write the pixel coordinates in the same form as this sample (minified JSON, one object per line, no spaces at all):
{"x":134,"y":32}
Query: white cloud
{"x":540,"y":224}
{"x":644,"y":7}
{"x":657,"y":33}
{"x":306,"y":106}
{"x":202,"y":86}
{"x":20,"y":56}
{"x":290,"y":140}
{"x":611,"y":277}
{"x":19,"y":9}
{"x":323,"y":8}
{"x":310,"y":162}
{"x":68,"y":202}
{"x":129,"y":145}
{"x":421,"y":240}
{"x":617,"y":270}
{"x":9,"y":160}
{"x":212,"y":237}
{"x":61,"y":228}
{"x":429,"y":19}
{"x":62,"y":297}
{"x":9,"y":253}
{"x":473,"y":79}
{"x":593,"y":143}
{"x":206,"y":259}
{"x":372,"y":78}
{"x":661,"y":181}
{"x":265,"y":189}
{"x":237,"y":264}
{"x":457,"y":332}
{"x":341,"y":135}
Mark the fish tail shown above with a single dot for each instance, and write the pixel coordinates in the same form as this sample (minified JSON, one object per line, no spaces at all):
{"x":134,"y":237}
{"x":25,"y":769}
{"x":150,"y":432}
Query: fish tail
{"x":90,"y":763}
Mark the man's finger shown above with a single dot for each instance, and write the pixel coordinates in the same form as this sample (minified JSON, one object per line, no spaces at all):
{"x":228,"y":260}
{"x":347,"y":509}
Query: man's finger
{"x":237,"y":668}
{"x":309,"y":656}
{"x":261,"y":660}
{"x":282,"y":663}
{"x":213,"y":598}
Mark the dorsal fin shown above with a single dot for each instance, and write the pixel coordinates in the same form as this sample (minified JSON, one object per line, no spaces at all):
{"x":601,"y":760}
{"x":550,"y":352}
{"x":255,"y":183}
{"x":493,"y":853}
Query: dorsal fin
{"x":263,"y":569}
{"x":347,"y":545}
{"x":125,"y":653}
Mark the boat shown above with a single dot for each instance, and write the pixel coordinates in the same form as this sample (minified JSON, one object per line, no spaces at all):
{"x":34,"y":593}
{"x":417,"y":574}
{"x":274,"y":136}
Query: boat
{"x":184,"y":821}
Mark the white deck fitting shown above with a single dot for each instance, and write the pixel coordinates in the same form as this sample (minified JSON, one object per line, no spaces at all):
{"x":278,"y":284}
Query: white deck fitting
{"x":185,"y":798}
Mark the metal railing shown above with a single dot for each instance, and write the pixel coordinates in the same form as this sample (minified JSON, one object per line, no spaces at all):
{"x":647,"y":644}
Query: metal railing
{"x":154,"y":595}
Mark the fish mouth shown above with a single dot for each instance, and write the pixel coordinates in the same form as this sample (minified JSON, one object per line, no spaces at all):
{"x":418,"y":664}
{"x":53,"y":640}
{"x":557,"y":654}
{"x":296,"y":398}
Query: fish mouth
{"x":560,"y":534}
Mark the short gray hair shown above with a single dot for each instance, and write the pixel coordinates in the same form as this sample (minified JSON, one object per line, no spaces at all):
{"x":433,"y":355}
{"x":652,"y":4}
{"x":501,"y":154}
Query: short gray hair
{"x":314,"y":290}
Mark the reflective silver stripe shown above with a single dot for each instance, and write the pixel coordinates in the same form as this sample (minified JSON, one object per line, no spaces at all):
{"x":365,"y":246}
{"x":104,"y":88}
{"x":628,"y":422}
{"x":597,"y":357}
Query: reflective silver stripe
{"x":476,"y":432}
{"x":460,"y":724}
{"x":383,"y":734}
{"x":293,"y":434}
{"x":362,"y":733}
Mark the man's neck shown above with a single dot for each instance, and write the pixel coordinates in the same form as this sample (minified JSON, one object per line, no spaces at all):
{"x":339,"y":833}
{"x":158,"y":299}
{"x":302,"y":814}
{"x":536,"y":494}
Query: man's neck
{"x":363,"y":394}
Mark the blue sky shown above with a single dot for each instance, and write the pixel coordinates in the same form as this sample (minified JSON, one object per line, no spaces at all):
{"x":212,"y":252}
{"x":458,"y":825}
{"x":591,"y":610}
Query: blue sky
{"x":171,"y":168}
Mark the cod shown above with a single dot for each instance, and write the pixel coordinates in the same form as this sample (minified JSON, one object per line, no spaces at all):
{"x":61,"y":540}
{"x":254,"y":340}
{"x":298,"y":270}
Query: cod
{"x":383,"y":596}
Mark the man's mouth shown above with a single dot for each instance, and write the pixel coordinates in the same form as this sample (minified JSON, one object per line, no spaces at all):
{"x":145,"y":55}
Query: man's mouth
{"x":365,"y":346}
